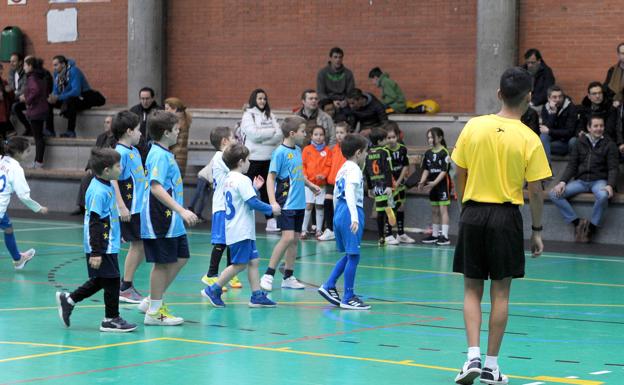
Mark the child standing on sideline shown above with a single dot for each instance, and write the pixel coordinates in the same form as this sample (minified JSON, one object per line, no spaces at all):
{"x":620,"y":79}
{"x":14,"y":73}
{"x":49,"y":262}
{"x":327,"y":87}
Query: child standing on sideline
{"x":400,"y":168}
{"x":285,"y":187}
{"x":101,"y":243}
{"x":378,"y":173}
{"x":316,"y":167}
{"x":337,"y":161}
{"x":12,"y":179}
{"x":241,"y":199}
{"x":435,"y":180}
{"x":221,"y":138}
{"x":129,"y":192}
{"x":348,"y":224}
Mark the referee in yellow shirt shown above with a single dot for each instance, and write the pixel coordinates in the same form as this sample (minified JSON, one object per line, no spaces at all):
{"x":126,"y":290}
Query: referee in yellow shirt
{"x":494,"y":156}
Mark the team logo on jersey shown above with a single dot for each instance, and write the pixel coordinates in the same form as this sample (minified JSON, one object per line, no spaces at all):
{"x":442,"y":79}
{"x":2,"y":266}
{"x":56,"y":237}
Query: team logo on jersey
{"x":290,"y":155}
{"x":323,"y":153}
{"x":500,"y":130}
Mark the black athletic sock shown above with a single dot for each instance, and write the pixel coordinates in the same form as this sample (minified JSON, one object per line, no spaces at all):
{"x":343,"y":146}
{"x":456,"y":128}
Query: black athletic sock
{"x":400,"y":216}
{"x":215,"y":259}
{"x":381,"y":224}
{"x":328,"y":208}
{"x":288,"y":273}
{"x":270,"y":271}
{"x":125,"y":285}
{"x":228,"y":256}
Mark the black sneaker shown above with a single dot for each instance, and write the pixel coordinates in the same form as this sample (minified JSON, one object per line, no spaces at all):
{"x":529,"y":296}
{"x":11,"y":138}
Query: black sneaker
{"x":443,"y":241}
{"x":469,"y":372}
{"x":68,"y":134}
{"x":429,"y":240}
{"x":64,"y":307}
{"x":354,"y":304}
{"x":493,"y":377}
{"x":117,"y":325}
{"x":331,"y":295}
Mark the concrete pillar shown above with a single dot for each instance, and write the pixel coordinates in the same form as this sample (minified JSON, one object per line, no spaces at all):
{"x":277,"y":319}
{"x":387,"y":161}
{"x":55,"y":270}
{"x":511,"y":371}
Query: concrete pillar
{"x":496,"y":49}
{"x":146,"y":48}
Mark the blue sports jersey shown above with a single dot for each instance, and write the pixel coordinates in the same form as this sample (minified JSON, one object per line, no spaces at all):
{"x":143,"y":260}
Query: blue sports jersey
{"x":287,"y":164}
{"x":100,"y":199}
{"x":132,"y":181}
{"x":157,"y":220}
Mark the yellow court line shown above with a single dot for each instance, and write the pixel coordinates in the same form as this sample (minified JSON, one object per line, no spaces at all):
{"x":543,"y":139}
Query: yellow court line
{"x":378,"y":360}
{"x":39,"y":344}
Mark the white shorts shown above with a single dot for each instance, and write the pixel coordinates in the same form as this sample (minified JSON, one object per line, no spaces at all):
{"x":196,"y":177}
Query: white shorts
{"x":315,"y":199}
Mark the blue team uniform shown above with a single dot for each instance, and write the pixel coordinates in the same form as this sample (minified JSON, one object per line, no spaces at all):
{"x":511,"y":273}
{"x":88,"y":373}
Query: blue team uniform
{"x":132,"y":186}
{"x":287,"y":164}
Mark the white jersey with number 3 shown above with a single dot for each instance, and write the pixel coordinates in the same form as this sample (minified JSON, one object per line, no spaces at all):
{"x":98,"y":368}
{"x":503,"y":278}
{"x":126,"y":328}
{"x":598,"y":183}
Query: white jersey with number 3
{"x":240,"y":219}
{"x":12,"y":179}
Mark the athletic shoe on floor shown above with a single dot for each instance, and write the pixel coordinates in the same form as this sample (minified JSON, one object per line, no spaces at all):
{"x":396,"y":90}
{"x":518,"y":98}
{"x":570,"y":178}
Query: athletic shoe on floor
{"x":429,"y":240}
{"x":292,"y":283}
{"x":443,"y":241}
{"x":213,"y":296}
{"x":493,"y":377}
{"x":261,"y":300}
{"x":162,"y":317}
{"x":26,"y":256}
{"x":327,"y":235}
{"x":117,"y":325}
{"x":235,"y":283}
{"x":209,"y":281}
{"x":391,"y":240}
{"x":64,"y":307}
{"x":331,"y":295}
{"x":266,"y":282}
{"x":354,"y":304}
{"x":271,"y":226}
{"x":143,"y":306}
{"x":469,"y":372}
{"x":404,"y":238}
{"x":130,"y":295}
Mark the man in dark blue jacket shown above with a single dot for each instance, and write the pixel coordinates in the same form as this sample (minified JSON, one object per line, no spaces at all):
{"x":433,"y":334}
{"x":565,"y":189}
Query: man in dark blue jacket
{"x":543,"y":76}
{"x":558,"y":122}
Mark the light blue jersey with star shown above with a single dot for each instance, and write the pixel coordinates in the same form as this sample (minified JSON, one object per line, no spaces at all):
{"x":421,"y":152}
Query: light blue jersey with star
{"x":132,"y":181}
{"x":100,"y":199}
{"x":287,"y":164}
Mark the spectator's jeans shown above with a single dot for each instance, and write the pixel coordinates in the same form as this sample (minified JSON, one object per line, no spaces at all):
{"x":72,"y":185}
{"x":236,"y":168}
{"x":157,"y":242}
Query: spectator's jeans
{"x":557,"y":147}
{"x":579,"y":186}
{"x":202,"y":189}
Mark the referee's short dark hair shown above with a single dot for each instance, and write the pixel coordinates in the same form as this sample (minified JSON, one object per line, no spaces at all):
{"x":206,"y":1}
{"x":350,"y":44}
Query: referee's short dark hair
{"x":351,"y":143}
{"x":233,"y":154}
{"x":515,"y":84}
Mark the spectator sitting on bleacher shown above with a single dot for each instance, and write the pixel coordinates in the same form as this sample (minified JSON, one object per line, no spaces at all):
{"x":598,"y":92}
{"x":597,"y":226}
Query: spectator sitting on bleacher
{"x":391,"y":94}
{"x":142,"y":110}
{"x":530,"y":118}
{"x":327,"y":106}
{"x":543,"y":77}
{"x":614,"y":83}
{"x":558,"y":122}
{"x":5,"y":109}
{"x":594,"y":166}
{"x":343,"y":112}
{"x":334,"y":78}
{"x":17,"y":84}
{"x":595,"y":103}
{"x":314,"y":116}
{"x":366,"y":110}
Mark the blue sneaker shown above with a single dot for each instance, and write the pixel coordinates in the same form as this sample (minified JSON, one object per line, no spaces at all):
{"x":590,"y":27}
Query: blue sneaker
{"x":260,"y":299}
{"x":213,"y":296}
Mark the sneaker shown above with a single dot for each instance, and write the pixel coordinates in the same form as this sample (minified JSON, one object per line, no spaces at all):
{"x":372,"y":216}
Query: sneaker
{"x":266,"y":282}
{"x":48,"y":134}
{"x":25,"y":257}
{"x":443,"y":241}
{"x":303,"y":236}
{"x":261,"y":300}
{"x":292,"y":283}
{"x":36,"y":165}
{"x":493,"y":376}
{"x":429,"y":240}
{"x":235,"y":283}
{"x":162,"y":317}
{"x":271,"y":226}
{"x":354,"y":304}
{"x":64,"y":307}
{"x":331,"y":295}
{"x":117,"y":325}
{"x":327,"y":235}
{"x":143,"y":306}
{"x":469,"y":372}
{"x":68,"y":134}
{"x":381,"y":242}
{"x":213,"y":296}
{"x":209,"y":281}
{"x":404,"y":238}
{"x":130,"y":295}
{"x":391,"y":240}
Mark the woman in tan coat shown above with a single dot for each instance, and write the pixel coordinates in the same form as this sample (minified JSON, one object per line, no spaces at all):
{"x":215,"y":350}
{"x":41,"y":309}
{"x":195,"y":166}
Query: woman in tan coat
{"x":180,"y":150}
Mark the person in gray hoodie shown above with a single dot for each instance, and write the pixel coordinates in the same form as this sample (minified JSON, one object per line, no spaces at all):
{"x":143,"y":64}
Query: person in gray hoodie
{"x":335,"y":78}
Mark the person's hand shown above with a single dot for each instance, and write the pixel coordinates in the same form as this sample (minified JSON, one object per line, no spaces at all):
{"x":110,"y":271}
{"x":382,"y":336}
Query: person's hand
{"x":8,"y":88}
{"x":616,"y":103}
{"x":537,"y":246}
{"x":315,"y":189}
{"x":354,"y":227}
{"x":621,"y":148}
{"x":22,"y":98}
{"x":189,"y":218}
{"x":124,"y":213}
{"x":43,"y":210}
{"x":609,"y":190}
{"x":388,"y":191}
{"x":420,"y":186}
{"x":544,"y":129}
{"x":95,"y":261}
{"x":277,"y":210}
{"x":258,"y":182}
{"x":428,"y":186}
{"x":559,"y":189}
{"x":52,"y":99}
{"x":371,"y":193}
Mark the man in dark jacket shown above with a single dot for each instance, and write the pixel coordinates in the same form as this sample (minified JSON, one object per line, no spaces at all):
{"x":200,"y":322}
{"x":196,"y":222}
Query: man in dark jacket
{"x":142,"y":110}
{"x":594,"y":166}
{"x":595,"y":103}
{"x":543,"y":76}
{"x":334,"y":78}
{"x":558,"y":126}
{"x":366,"y":110}
{"x":614,"y":82}
{"x":17,"y":85}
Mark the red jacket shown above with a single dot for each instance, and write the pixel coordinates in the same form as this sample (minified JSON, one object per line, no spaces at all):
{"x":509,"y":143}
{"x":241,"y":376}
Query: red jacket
{"x":316,"y":164}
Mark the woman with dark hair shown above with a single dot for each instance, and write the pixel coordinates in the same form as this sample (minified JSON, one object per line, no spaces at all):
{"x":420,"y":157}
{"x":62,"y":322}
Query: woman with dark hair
{"x":261,"y":135}
{"x":180,"y":150}
{"x":35,"y":96}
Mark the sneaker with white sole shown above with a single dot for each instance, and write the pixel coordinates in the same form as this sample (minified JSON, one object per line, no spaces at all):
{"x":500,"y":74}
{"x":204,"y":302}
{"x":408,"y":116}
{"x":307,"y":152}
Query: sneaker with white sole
{"x":235,"y":283}
{"x":214,"y":296}
{"x":130,"y":295}
{"x":443,"y":241}
{"x":26,"y":256}
{"x":271,"y":226}
{"x":292,"y":283}
{"x":266,"y":282}
{"x":64,"y":307}
{"x":327,"y":235}
{"x":391,"y":240}
{"x":117,"y":325}
{"x":429,"y":240}
{"x":162,"y":317}
{"x":331,"y":295}
{"x":404,"y":238}
{"x":143,"y":306}
{"x":209,"y":281}
{"x":469,"y":372}
{"x":260,"y":299}
{"x":493,"y":377}
{"x":354,"y":303}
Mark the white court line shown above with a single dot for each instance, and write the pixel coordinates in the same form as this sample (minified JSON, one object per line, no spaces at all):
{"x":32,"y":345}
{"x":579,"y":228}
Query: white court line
{"x":47,"y":228}
{"x":535,"y":383}
{"x":601,"y":372}
{"x":571,"y":377}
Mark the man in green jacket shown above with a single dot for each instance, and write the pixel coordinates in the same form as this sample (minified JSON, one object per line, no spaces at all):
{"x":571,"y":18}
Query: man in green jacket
{"x":391,"y":94}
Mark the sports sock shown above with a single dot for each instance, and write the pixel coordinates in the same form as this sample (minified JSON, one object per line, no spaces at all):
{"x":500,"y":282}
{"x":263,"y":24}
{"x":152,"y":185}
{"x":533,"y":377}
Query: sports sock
{"x":328,"y":208}
{"x":288,"y":273}
{"x":474,"y":352}
{"x":215,"y":259}
{"x":445,"y":229}
{"x":319,"y":218}
{"x":349,"y":275}
{"x":435,"y":230}
{"x":491,"y":362}
{"x":11,"y":244}
{"x":70,"y":300}
{"x":400,"y":215}
{"x":306,"y":220}
{"x":381,"y":224}
{"x":125,"y":285}
{"x":270,"y":271}
{"x":154,"y":305}
{"x":336,"y":273}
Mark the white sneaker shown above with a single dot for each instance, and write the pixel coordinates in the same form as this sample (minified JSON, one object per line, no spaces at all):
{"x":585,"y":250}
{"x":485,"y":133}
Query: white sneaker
{"x":26,"y":256}
{"x":266,"y":282}
{"x":404,"y":238}
{"x":271,"y":226}
{"x":390,"y":240}
{"x":292,"y":283}
{"x":327,"y":235}
{"x":493,"y":377}
{"x":143,"y":306}
{"x":162,"y":317}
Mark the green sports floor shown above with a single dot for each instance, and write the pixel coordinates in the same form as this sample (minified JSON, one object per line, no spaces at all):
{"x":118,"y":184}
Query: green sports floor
{"x":566,"y":323}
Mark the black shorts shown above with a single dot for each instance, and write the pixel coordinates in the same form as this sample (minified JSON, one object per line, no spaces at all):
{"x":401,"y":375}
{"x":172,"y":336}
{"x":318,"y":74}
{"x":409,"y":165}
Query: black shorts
{"x":440,"y":194}
{"x":291,"y":220}
{"x":131,"y":231}
{"x":166,"y":250}
{"x":109,"y":268}
{"x":490,"y":242}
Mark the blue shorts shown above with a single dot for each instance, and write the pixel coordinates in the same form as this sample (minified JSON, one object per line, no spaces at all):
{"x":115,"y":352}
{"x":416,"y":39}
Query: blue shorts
{"x":218,"y":228}
{"x":166,"y":250}
{"x":109,"y":268}
{"x":346,"y":241}
{"x":291,"y":220}
{"x":242,"y":252}
{"x":5,"y":222}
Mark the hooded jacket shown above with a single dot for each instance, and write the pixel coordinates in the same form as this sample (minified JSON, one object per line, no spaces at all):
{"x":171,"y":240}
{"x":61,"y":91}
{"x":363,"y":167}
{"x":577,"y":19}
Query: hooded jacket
{"x":542,"y":79}
{"x":605,"y":109}
{"x":372,"y":114}
{"x":562,"y":124}
{"x":262,"y":134}
{"x":21,"y":82}
{"x":334,"y":82}
{"x":36,"y":94}
{"x":391,"y":94}
{"x":76,"y":82}
{"x":590,"y":163}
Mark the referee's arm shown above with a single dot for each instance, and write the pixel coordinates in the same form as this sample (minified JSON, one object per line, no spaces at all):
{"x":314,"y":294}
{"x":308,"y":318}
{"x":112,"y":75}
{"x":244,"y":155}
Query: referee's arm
{"x":461,"y":174}
{"x":536,"y":201}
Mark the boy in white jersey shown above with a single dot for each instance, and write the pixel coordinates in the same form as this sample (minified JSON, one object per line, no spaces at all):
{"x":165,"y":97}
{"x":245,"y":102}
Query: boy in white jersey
{"x":12,"y":179}
{"x":348,"y":223}
{"x":240,"y":227}
{"x":129,"y":192}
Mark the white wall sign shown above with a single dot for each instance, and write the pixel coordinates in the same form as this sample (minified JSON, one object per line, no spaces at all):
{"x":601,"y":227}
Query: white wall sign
{"x":17,"y":2}
{"x":62,"y":25}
